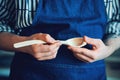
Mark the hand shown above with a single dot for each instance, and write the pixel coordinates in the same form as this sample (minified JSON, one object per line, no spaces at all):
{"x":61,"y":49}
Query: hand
{"x":42,"y":51}
{"x":99,"y":51}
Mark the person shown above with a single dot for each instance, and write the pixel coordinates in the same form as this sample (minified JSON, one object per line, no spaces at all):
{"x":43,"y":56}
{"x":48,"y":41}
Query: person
{"x":53,"y":20}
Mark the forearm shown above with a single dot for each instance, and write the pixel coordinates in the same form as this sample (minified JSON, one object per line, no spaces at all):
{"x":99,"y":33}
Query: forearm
{"x":113,"y":42}
{"x":8,"y":39}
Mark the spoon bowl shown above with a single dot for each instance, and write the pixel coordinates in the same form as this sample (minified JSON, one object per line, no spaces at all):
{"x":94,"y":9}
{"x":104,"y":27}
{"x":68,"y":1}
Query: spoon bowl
{"x":76,"y":42}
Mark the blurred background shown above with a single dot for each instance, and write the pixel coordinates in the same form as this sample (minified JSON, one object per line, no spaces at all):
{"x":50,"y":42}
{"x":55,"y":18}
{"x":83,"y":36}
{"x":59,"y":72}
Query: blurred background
{"x":112,"y":65}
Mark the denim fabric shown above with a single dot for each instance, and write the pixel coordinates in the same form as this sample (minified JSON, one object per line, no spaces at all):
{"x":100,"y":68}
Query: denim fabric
{"x":29,"y":68}
{"x":63,"y":19}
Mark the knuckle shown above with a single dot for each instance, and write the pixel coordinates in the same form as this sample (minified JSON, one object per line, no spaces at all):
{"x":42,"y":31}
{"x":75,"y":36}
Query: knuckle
{"x":99,"y":40}
{"x":49,"y":53}
{"x":40,"y":59}
{"x":53,"y":56}
{"x":47,"y":36}
{"x":40,"y":34}
{"x":37,"y":56}
{"x":33,"y":38}
{"x":94,"y":57}
{"x":34,"y":50}
{"x":50,"y":49}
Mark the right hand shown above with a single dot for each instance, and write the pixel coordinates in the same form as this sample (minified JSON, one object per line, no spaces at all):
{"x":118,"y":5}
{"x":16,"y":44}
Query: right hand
{"x":42,"y":51}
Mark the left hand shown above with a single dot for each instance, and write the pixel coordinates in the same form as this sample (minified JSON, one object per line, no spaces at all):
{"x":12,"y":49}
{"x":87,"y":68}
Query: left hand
{"x":99,"y":51}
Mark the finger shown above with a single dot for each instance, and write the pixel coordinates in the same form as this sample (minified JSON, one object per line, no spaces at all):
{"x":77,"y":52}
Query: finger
{"x":52,"y":53}
{"x":47,"y":38}
{"x":47,"y":48}
{"x":79,"y":58}
{"x":48,"y":57}
{"x":83,"y":57}
{"x":92,"y":41}
{"x":46,"y":54}
{"x":84,"y":51}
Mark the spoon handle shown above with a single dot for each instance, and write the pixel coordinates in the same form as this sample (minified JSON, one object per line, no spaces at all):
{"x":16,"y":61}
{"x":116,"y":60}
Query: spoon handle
{"x":64,"y":42}
{"x":31,"y":42}
{"x":28,"y":43}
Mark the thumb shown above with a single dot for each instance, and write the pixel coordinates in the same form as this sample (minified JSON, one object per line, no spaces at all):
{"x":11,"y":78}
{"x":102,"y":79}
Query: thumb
{"x":89,"y":40}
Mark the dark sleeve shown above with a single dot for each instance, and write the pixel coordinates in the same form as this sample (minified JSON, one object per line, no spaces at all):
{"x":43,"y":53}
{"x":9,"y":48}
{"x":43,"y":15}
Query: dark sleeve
{"x":7,"y":15}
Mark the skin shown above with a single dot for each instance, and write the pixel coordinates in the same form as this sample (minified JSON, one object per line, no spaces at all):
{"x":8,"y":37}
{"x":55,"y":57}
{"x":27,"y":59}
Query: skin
{"x":49,"y":51}
{"x":39,"y":51}
{"x":99,"y":51}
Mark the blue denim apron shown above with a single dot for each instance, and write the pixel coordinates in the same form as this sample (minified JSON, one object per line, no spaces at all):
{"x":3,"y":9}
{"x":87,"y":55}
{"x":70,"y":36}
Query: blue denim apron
{"x":63,"y":19}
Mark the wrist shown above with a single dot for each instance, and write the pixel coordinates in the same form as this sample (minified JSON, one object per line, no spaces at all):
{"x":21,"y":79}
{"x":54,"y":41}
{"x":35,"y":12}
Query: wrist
{"x":111,"y":49}
{"x":16,"y":39}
